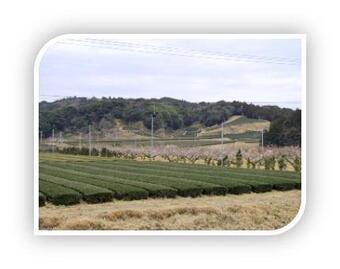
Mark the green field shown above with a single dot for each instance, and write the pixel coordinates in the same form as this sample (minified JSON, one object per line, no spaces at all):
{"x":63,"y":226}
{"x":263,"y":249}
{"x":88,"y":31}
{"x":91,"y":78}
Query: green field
{"x":69,"y":179}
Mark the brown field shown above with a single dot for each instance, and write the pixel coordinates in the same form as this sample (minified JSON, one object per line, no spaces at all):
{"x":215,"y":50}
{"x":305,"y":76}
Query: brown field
{"x":266,"y":211}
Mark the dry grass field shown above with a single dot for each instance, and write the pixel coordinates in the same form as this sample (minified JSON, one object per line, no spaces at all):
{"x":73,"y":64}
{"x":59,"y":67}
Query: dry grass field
{"x":265,"y":211}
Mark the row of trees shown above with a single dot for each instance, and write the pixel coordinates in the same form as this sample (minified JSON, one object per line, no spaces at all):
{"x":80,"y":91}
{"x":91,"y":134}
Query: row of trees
{"x":272,"y":158}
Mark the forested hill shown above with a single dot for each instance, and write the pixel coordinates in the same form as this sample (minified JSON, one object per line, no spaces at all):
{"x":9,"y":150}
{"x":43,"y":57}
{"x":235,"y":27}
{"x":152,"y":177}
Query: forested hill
{"x":76,"y":113}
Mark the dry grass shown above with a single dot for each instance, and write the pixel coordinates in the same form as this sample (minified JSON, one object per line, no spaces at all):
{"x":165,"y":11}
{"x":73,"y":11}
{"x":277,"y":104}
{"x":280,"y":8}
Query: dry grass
{"x":264,"y":211}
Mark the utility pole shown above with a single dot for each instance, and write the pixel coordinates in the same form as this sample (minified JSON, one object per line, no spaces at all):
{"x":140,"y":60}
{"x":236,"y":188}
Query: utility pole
{"x":152,"y":119}
{"x":52,"y":140}
{"x":90,"y":144}
{"x":262,"y":140}
{"x":80,"y":145}
{"x":60,"y":138}
{"x":222,"y":137}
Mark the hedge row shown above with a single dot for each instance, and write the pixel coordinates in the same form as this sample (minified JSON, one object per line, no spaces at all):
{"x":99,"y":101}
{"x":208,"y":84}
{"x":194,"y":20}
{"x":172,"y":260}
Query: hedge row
{"x":257,"y":182}
{"x":230,"y":186}
{"x":153,"y":190}
{"x":235,"y":186}
{"x":90,"y":193}
{"x":185,"y":186}
{"x":42,"y":199}
{"x":208,"y":169}
{"x":120,"y":191}
{"x":181,"y":188}
{"x":57,"y":194}
{"x":216,"y":169}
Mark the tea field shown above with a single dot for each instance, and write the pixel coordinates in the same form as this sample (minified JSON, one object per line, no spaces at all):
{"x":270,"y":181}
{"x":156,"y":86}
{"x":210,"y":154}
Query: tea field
{"x":70,"y":179}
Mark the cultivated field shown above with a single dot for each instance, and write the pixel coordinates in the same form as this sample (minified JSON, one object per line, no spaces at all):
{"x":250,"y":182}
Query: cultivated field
{"x":71,"y":179}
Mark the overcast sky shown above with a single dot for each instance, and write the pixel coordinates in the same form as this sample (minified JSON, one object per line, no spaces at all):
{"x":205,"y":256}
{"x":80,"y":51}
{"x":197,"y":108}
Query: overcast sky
{"x":258,"y":71}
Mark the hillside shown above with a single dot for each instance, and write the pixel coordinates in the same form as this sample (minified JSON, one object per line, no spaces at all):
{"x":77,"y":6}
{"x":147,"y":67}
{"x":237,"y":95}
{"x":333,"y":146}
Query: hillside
{"x":132,"y":117}
{"x":236,"y":125}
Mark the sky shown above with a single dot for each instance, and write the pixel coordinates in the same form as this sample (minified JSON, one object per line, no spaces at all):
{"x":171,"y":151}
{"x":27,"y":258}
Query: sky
{"x":259,"y":71}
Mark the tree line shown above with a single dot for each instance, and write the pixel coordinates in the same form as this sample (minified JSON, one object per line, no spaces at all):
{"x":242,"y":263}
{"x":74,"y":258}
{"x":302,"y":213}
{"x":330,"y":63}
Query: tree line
{"x":76,"y":113}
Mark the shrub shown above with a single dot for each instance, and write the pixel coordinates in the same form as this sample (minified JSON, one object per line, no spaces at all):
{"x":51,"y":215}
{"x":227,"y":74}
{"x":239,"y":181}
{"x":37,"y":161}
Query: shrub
{"x":103,"y":152}
{"x":42,"y":199}
{"x":261,"y":187}
{"x":94,"y":152}
{"x":84,"y":151}
{"x":90,"y":193}
{"x":120,"y":191}
{"x":59,"y":195}
{"x":284,"y":186}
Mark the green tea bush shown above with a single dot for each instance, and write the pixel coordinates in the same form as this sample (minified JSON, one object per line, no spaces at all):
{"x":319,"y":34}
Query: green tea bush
{"x":94,"y":152}
{"x":90,"y":193}
{"x":42,"y":199}
{"x":84,"y":151}
{"x":120,"y":190}
{"x":257,"y":180}
{"x":154,"y":190}
{"x":286,"y":186}
{"x":59,"y":195}
{"x":103,"y":152}
{"x":130,"y":179}
{"x":208,"y":184}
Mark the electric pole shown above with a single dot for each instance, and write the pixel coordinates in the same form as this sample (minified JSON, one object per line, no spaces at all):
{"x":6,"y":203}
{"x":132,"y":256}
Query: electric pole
{"x":52,"y":140}
{"x":222,"y":137}
{"x":80,"y":145}
{"x":262,"y":140}
{"x":152,"y":120}
{"x":90,"y":144}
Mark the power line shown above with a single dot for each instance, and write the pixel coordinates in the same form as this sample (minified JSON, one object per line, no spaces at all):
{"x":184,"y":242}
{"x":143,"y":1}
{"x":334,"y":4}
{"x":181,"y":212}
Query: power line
{"x":168,"y":48}
{"x":180,"y":52}
{"x":202,"y":56}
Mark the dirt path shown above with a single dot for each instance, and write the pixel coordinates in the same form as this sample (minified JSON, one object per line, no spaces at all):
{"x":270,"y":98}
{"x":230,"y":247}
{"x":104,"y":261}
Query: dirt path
{"x":264,"y":211}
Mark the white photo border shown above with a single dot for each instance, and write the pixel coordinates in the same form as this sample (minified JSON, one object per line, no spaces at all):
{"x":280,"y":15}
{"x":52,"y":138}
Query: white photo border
{"x":301,"y":37}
